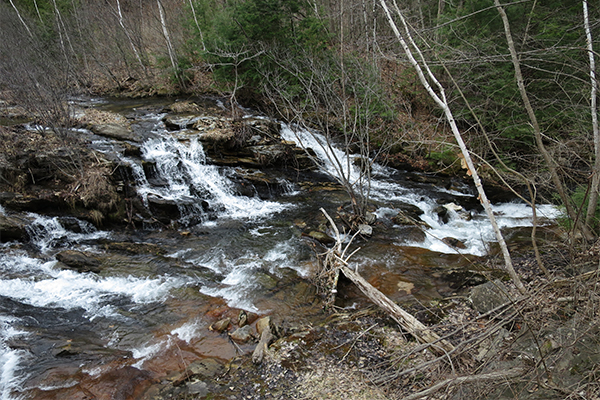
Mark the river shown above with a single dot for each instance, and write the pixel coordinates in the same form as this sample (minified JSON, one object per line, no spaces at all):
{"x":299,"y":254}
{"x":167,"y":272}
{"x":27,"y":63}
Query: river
{"x":145,"y":314}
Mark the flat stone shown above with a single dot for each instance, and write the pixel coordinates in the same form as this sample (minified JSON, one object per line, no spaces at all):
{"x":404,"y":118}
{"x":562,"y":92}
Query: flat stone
{"x":79,"y":261}
{"x":114,"y":131}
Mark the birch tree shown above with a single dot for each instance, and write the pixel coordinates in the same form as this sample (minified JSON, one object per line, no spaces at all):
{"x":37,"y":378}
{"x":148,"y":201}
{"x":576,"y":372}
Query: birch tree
{"x":424,"y":72}
{"x":122,"y":24}
{"x":593,"y":200}
{"x":170,"y":49}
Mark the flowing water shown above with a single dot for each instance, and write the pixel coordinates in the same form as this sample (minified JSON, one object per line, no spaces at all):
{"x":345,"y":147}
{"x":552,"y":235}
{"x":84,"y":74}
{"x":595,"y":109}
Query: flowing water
{"x":146,"y":313}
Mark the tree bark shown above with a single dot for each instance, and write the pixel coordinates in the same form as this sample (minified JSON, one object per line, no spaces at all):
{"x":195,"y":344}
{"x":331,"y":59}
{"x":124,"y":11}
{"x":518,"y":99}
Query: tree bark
{"x":443,"y":103}
{"x":21,"y":18}
{"x":172,"y":56}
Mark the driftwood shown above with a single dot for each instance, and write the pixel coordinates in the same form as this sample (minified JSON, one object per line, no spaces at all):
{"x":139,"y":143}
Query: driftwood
{"x":336,"y":261}
{"x":403,"y":318}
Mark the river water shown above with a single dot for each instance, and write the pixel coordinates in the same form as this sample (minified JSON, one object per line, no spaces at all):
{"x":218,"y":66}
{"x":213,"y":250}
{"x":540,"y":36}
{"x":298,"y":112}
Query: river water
{"x":146,"y":313}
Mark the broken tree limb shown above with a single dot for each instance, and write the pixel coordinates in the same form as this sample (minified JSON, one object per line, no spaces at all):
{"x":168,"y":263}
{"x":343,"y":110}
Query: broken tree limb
{"x":409,"y":323}
{"x":498,"y":375}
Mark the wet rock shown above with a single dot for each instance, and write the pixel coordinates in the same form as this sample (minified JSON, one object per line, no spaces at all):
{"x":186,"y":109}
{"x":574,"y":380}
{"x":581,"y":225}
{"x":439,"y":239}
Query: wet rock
{"x":455,"y":243}
{"x":178,"y":122}
{"x":204,"y":369}
{"x":131,"y":150}
{"x":221,"y":325}
{"x":163,"y":210}
{"x":182,"y":107}
{"x":489,"y":296}
{"x":242,"y":319}
{"x":273,"y":154}
{"x":135,"y":248}
{"x":264,"y":329}
{"x":79,"y":261}
{"x":463,"y":277}
{"x":198,"y":388}
{"x":12,"y":228}
{"x":115,"y":131}
{"x":402,"y":219}
{"x":43,"y":201}
{"x":242,"y":335}
{"x":365,"y":230}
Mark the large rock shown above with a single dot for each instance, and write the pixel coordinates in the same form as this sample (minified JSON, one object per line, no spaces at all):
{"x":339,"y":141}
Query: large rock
{"x":489,"y":296}
{"x":12,"y":228}
{"x":79,"y":261}
{"x":115,"y":131}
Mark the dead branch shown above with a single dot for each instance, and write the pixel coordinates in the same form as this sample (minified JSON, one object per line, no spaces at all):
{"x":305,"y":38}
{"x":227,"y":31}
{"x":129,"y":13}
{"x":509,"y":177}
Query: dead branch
{"x":336,"y":261}
{"x":511,"y":373}
{"x":409,"y":323}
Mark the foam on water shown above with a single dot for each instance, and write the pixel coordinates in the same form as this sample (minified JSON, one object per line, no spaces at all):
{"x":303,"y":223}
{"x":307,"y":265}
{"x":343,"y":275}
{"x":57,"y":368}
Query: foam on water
{"x":10,"y":359}
{"x":188,"y":331}
{"x":190,"y":181}
{"x":70,"y":290}
{"x":48,"y":232}
{"x":475,"y":233}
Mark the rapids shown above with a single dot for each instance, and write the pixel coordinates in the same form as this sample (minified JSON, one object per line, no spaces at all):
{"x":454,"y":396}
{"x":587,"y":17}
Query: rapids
{"x":63,"y":332}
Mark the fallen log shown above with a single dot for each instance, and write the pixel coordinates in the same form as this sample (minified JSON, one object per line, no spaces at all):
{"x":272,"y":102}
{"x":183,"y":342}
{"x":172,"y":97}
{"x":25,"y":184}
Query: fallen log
{"x":409,"y":323}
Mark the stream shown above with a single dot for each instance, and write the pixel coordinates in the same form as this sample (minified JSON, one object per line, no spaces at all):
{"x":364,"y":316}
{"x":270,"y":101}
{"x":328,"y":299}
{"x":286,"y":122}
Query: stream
{"x":145,"y":312}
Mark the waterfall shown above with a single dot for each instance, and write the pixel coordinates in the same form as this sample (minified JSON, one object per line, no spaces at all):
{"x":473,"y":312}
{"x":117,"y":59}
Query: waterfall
{"x":474,"y":232}
{"x":192,"y":184}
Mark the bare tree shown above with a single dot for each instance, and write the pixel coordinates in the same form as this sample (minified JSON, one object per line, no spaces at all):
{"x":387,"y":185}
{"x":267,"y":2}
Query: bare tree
{"x":122,"y":24}
{"x":170,"y":48}
{"x":595,"y":184}
{"x":441,"y":101}
{"x":537,"y":132}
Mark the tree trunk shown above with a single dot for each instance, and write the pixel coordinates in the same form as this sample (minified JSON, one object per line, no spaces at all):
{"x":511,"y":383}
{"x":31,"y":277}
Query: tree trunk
{"x":442,"y":102}
{"x":550,"y":163}
{"x":122,"y":23}
{"x":172,"y":56}
{"x":593,"y":200}
{"x":21,"y":18}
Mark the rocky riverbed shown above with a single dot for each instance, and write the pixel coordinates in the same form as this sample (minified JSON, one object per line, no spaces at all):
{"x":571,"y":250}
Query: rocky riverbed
{"x":174,"y":277}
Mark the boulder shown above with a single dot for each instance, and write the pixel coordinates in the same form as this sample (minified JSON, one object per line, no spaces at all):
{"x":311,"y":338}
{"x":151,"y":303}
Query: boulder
{"x":12,"y":228}
{"x":242,"y":335}
{"x":455,"y":243}
{"x":489,"y":296}
{"x":221,"y":325}
{"x":179,"y":122}
{"x":321,"y":237}
{"x":115,"y":131}
{"x":79,"y":261}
